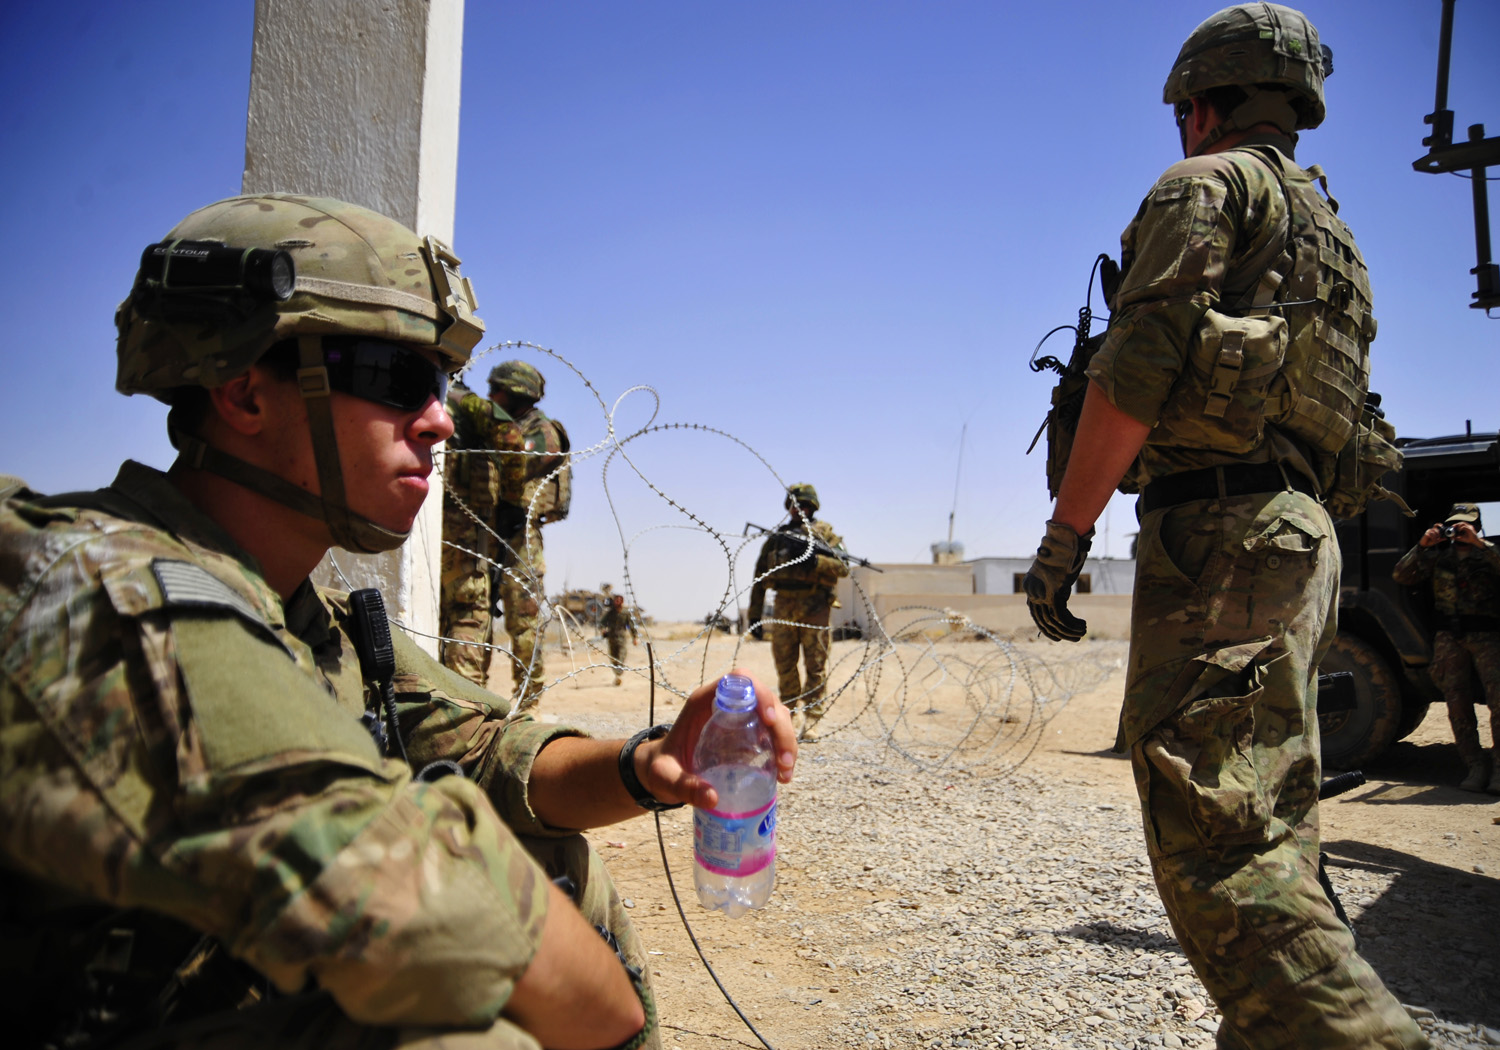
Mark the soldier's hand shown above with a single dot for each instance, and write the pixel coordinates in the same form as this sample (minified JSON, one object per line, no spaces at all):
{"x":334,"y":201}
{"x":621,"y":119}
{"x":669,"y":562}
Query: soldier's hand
{"x":1463,"y":532}
{"x":1049,"y":582}
{"x":1432,"y":537}
{"x":666,"y":765}
{"x":758,"y":632}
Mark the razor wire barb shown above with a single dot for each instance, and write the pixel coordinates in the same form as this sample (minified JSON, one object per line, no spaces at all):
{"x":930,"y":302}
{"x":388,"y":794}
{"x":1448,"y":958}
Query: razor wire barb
{"x":922,"y":687}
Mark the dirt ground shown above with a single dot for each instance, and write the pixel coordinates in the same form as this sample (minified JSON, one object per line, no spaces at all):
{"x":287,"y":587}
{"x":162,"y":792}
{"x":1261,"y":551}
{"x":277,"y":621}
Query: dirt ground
{"x":1409,"y":816}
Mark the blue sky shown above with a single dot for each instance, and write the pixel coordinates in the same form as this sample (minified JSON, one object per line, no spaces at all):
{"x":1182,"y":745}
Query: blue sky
{"x":834,"y":231}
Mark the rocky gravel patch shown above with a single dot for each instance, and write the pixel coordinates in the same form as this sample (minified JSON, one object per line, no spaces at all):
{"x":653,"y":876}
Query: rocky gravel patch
{"x":945,"y":910}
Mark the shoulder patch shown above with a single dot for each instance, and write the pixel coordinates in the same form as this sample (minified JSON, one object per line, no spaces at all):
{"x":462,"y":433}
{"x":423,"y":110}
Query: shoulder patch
{"x":185,"y":584}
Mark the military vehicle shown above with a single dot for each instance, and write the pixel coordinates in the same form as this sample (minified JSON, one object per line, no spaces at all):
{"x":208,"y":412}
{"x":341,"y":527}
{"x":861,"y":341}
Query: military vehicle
{"x":1385,"y":630}
{"x":586,"y":607}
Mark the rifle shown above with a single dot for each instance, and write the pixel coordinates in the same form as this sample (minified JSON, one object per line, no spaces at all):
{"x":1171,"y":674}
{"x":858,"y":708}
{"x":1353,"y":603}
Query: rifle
{"x":818,"y":546}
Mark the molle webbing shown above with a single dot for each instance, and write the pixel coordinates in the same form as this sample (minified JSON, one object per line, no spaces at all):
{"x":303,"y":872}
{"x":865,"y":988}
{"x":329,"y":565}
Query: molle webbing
{"x":1322,"y":288}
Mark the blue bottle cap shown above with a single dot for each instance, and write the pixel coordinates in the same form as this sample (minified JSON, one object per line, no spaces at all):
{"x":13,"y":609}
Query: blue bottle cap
{"x":735,"y":693}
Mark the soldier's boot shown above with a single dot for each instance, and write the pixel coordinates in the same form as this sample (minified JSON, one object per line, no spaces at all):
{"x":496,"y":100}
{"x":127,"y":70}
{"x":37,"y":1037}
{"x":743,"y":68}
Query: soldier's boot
{"x":617,"y":678}
{"x":799,"y":719}
{"x":1494,"y":788}
{"x":808,"y":732}
{"x":1478,"y":778}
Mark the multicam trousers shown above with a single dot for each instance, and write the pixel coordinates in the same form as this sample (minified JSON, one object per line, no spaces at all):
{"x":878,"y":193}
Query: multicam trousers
{"x":806,"y":632}
{"x":1466,"y":667}
{"x":1235,"y":604}
{"x":464,"y":615}
{"x":314,"y":1021}
{"x":522,"y":568}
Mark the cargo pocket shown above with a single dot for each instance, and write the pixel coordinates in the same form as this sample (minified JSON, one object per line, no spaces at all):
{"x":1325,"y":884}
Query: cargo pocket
{"x":1207,"y":789}
{"x":1219,"y":402}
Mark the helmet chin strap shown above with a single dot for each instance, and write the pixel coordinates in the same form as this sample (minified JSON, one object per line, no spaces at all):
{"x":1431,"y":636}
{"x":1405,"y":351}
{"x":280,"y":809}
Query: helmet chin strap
{"x":351,"y":531}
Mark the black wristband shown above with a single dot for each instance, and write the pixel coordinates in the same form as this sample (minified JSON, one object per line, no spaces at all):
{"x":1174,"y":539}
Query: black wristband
{"x":643,"y":798}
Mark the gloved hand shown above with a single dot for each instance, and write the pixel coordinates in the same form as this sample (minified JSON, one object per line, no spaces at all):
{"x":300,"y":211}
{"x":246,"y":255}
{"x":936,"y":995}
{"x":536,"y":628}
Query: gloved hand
{"x":1050,"y":580}
{"x":758,"y":633}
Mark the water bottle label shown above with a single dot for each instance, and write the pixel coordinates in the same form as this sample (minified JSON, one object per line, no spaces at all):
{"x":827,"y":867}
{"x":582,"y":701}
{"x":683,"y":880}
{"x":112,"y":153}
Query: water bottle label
{"x":735,"y":844}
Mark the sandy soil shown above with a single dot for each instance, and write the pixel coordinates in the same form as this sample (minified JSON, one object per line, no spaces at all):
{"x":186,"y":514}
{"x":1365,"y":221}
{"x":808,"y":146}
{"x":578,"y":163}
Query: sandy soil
{"x":1409,"y":819}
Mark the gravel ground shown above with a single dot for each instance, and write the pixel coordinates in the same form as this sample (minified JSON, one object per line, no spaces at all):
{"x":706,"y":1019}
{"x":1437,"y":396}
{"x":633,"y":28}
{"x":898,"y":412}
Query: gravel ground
{"x":946,"y":910}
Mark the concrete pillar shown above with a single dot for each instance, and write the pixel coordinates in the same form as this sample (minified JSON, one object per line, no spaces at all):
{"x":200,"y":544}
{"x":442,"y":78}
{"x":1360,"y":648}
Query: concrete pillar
{"x":359,"y":101}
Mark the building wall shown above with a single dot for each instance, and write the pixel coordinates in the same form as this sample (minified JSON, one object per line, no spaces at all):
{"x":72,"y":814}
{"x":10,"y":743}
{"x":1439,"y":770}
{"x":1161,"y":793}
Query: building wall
{"x":1104,"y":575}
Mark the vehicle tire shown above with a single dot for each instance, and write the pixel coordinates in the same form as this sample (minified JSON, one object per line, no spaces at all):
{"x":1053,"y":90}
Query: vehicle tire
{"x":1412,"y":715}
{"x":1352,"y":738}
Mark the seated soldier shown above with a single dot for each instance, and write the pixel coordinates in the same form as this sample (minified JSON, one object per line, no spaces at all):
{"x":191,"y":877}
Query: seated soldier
{"x":212,"y":834}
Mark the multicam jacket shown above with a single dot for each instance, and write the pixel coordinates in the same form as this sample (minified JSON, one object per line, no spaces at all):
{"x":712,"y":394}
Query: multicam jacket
{"x":181,"y":754}
{"x":1205,"y":235}
{"x":1465,"y":579}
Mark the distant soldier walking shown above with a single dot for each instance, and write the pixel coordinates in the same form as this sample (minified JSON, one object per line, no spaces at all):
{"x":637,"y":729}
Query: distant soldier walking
{"x":791,"y":564}
{"x":615,"y":623}
{"x":1464,"y":571}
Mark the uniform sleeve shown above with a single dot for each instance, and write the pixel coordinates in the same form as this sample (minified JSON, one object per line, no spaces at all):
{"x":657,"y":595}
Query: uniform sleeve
{"x":1415,"y":566}
{"x":1176,"y":253}
{"x":176,"y":755}
{"x":830,"y":569}
{"x":445,"y":717}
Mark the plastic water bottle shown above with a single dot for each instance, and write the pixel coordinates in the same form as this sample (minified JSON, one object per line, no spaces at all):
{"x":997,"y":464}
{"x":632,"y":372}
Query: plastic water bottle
{"x":734,"y":845}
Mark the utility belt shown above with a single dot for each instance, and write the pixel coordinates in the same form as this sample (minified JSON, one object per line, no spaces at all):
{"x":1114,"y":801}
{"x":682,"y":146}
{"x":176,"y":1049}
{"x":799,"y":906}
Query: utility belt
{"x":1236,"y":479}
{"x":1461,"y":624}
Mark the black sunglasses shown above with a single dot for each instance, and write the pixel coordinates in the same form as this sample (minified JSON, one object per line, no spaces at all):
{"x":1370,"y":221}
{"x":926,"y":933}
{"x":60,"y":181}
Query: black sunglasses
{"x":385,"y":373}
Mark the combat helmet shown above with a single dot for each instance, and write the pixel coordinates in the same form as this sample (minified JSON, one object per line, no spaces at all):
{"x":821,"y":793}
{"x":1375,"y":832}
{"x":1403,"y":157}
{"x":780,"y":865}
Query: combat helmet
{"x":239,"y":276}
{"x":1269,"y":51}
{"x":802,"y":493}
{"x":519,"y":378}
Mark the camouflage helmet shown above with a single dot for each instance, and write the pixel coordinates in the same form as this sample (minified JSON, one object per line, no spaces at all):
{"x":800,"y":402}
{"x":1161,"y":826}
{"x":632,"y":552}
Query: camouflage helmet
{"x":803,"y":493}
{"x":519,"y":378}
{"x":239,"y":276}
{"x":356,"y":273}
{"x":1259,"y":47}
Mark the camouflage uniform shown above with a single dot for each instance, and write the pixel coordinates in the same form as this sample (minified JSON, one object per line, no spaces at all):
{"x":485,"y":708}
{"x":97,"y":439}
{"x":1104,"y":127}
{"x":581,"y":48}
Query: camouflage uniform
{"x":614,"y":624}
{"x":801,"y":614}
{"x":521,"y":557}
{"x":470,"y":479}
{"x":186,"y":788}
{"x":1235,"y":603}
{"x":1466,"y":649}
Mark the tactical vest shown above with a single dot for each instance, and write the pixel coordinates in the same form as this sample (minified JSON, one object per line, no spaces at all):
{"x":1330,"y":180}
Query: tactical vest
{"x":459,"y":469}
{"x":790,"y":561}
{"x":549,"y":471}
{"x":1290,"y":346}
{"x":1321,"y":285}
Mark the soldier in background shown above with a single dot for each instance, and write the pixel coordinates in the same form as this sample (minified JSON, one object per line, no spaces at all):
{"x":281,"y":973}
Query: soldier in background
{"x":534,"y":487}
{"x":1233,"y":266}
{"x":470,"y":490}
{"x":1464,"y":570}
{"x":803,"y":579}
{"x":614,"y":624}
{"x":212,"y":831}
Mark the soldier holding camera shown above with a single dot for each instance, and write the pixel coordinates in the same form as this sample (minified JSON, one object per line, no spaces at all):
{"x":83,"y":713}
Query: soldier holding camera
{"x":1464,"y":570}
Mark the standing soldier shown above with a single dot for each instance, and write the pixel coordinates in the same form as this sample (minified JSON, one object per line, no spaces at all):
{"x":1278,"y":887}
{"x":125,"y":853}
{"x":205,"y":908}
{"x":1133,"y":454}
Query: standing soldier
{"x":803,"y":577}
{"x":1234,"y":370}
{"x":534,"y":488}
{"x":470,"y":479}
{"x":1464,"y":570}
{"x":615,"y":623}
